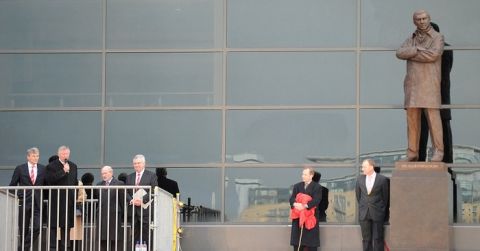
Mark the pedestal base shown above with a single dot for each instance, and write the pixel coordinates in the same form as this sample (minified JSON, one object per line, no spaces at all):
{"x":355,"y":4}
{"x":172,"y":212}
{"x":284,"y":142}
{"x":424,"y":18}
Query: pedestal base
{"x":419,"y":207}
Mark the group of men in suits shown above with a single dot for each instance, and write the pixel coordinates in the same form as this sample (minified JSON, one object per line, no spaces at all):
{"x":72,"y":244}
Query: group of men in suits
{"x":61,"y":210}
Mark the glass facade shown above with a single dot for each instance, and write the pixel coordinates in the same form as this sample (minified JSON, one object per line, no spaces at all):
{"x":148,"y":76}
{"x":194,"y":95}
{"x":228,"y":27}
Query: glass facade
{"x":232,"y":96}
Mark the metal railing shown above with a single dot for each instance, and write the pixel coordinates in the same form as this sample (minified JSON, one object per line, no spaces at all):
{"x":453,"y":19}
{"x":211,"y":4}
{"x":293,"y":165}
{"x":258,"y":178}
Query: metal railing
{"x":42,"y":218}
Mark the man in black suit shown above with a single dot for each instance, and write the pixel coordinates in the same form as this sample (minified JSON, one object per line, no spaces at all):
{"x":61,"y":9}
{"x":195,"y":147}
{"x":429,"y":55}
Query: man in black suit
{"x":372,"y":196}
{"x":323,"y":205}
{"x":165,"y":183}
{"x":306,"y":239}
{"x":29,"y":174}
{"x":445,"y":114}
{"x":141,"y":217}
{"x":110,"y":211}
{"x":61,"y":172}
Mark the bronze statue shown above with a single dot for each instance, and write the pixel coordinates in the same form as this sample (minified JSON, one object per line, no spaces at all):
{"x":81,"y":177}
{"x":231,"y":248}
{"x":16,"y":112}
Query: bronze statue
{"x":423,"y":51}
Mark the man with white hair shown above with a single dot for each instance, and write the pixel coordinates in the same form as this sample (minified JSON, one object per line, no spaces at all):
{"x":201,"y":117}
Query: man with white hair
{"x":110,"y":211}
{"x":141,"y":217}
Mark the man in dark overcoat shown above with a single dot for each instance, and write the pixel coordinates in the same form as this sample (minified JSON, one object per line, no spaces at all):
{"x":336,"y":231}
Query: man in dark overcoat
{"x":61,"y":172}
{"x":310,"y":238}
{"x":110,"y":211}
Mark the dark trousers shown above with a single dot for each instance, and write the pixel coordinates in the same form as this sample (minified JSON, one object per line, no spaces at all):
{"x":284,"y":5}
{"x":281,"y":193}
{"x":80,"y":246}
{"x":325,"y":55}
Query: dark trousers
{"x":25,"y":226}
{"x":372,"y":234}
{"x":447,"y":140}
{"x":141,"y":230}
{"x":304,"y":248}
{"x":62,"y":241}
{"x":110,"y":245}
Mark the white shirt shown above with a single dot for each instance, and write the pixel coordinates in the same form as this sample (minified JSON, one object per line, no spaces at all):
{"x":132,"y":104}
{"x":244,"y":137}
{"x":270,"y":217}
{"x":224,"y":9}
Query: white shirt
{"x":370,"y":180}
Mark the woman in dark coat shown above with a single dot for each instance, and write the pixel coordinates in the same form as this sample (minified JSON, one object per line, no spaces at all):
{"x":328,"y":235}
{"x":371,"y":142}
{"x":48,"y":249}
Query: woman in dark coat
{"x":310,"y":239}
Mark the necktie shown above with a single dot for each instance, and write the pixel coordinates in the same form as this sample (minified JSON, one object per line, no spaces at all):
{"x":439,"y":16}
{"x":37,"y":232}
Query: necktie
{"x":107,"y":183}
{"x":137,"y":181}
{"x":32,"y":175}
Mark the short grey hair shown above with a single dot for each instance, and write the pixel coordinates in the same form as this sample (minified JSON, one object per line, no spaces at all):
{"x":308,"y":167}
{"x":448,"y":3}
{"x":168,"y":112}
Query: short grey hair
{"x":108,"y":168}
{"x":139,"y":157}
{"x":33,"y":150}
{"x":418,"y":12}
{"x":62,"y":148}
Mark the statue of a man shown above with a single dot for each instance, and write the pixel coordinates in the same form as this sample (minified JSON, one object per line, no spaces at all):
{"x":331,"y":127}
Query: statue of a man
{"x":423,"y":51}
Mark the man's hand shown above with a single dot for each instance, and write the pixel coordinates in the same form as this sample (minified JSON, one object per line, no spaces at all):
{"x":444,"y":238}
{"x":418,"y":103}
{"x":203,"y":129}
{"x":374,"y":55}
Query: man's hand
{"x":298,"y":206}
{"x":66,"y":167}
{"x":136,"y":202}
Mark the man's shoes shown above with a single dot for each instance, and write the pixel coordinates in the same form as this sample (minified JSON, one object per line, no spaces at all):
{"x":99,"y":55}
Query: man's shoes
{"x":437,"y":156}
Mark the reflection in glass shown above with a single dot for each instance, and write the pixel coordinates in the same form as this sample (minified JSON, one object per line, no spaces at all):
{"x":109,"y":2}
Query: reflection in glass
{"x":262,"y":194}
{"x":50,"y":80}
{"x":291,"y":78}
{"x":48,"y":130}
{"x":468,"y":195}
{"x":163,"y":136}
{"x":291,"y":136}
{"x":200,"y":190}
{"x":383,"y":135}
{"x":159,"y":79}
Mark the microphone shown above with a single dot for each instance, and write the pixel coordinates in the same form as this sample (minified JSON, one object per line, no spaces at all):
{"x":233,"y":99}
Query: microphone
{"x":66,"y":162}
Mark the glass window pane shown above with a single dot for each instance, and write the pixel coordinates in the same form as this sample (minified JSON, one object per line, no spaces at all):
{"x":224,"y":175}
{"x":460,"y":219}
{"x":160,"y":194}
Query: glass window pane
{"x":464,"y":77}
{"x":262,"y":194}
{"x":164,"y":24}
{"x":301,"y":78}
{"x":291,"y":136}
{"x":50,"y":80}
{"x":163,"y":136}
{"x":465,"y":136}
{"x":387,"y":23}
{"x":156,"y":79}
{"x":381,"y":78}
{"x":383,"y":135}
{"x":48,"y":130}
{"x":45,"y":24}
{"x":254,"y":23}
{"x":468,"y":195}
{"x":201,"y":187}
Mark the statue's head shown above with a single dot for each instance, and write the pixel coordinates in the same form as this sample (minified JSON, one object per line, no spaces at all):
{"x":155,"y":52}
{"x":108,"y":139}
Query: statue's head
{"x":421,"y":19}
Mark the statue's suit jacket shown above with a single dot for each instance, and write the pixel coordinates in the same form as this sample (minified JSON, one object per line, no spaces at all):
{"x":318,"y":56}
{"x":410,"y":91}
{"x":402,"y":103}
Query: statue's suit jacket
{"x":376,"y":202}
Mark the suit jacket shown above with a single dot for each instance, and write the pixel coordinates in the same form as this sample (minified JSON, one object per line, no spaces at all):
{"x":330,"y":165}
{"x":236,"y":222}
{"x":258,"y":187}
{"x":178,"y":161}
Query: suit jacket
{"x":110,"y":210}
{"x":310,"y":238}
{"x":21,"y":177}
{"x":376,"y":203}
{"x":168,"y":185}
{"x":55,"y":176}
{"x":323,"y":205}
{"x":148,"y":179}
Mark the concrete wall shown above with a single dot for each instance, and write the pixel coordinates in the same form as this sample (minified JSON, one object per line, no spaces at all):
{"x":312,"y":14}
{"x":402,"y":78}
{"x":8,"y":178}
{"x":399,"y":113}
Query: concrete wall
{"x":277,"y":238}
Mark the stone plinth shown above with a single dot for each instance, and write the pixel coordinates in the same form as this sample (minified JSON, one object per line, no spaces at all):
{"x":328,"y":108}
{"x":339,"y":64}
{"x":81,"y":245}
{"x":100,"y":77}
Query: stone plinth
{"x":419,"y":208}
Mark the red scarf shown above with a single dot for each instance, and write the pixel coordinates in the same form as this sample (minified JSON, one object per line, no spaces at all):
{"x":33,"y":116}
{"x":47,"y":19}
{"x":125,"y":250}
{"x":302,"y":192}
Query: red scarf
{"x":307,"y":216}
